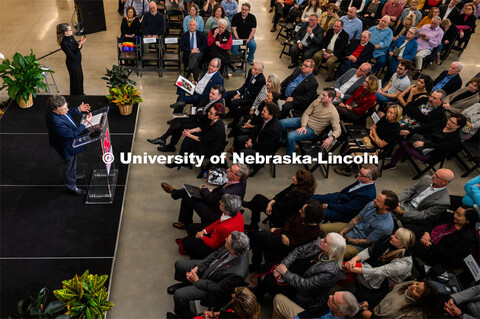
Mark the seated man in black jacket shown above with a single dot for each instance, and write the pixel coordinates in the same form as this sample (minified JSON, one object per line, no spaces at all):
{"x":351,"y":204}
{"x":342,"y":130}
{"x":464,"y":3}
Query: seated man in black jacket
{"x":308,"y":40}
{"x":193,"y":45}
{"x":358,"y":52}
{"x":449,"y":80}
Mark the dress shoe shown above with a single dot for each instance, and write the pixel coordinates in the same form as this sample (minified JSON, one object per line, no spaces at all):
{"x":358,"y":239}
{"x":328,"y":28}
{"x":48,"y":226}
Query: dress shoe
{"x":171,"y":165}
{"x":178,"y":104}
{"x":292,"y":66}
{"x":171,"y":315}
{"x":329,"y":79}
{"x":167,"y":188}
{"x":158,"y":140}
{"x":166,"y":148}
{"x":274,"y":28}
{"x":179,"y":225}
{"x":269,"y":11}
{"x":181,"y":249}
{"x":169,"y":122}
{"x":77,"y":191}
{"x":80,"y":176}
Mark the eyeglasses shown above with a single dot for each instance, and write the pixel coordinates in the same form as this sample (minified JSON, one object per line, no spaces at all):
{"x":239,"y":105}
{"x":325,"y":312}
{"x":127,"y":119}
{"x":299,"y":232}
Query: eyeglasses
{"x":443,"y":179}
{"x":361,"y":174}
{"x":231,"y":170}
{"x":306,"y":65}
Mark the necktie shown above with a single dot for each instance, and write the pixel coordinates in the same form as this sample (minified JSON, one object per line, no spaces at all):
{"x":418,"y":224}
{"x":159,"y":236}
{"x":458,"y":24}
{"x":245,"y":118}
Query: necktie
{"x":192,"y":41}
{"x":70,"y":119}
{"x":214,"y":265}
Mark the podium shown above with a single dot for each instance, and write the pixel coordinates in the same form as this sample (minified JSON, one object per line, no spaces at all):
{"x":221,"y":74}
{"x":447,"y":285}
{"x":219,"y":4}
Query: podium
{"x":99,"y":158}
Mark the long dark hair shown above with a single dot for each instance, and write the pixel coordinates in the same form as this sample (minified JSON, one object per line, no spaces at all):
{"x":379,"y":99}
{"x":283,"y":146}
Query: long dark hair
{"x":315,"y":8}
{"x":471,"y":216}
{"x":61,"y":29}
{"x":428,"y":303}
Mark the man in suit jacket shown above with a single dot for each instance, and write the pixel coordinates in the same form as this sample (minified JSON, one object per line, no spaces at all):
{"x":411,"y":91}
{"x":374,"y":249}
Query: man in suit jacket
{"x":239,"y":101}
{"x":358,"y":52}
{"x":207,"y":206}
{"x":426,"y":200}
{"x":449,"y":80}
{"x":299,"y":89}
{"x":333,"y":49}
{"x":450,"y":11}
{"x":62,"y":131}
{"x":202,"y":89}
{"x":309,"y":40}
{"x":349,"y":82}
{"x":211,"y":280}
{"x":193,"y":45}
{"x":344,"y":205}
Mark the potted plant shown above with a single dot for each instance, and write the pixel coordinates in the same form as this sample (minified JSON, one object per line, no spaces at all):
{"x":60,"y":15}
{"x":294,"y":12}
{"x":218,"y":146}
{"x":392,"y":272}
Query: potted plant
{"x":23,"y":75}
{"x":124,"y":96}
{"x":85,"y":296}
{"x":118,"y":76}
{"x":37,"y":307}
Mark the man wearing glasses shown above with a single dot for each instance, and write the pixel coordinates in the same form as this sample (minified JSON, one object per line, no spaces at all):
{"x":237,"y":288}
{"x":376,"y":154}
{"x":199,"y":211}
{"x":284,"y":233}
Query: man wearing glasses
{"x":299,"y":89}
{"x":349,"y":82}
{"x":309,"y":41}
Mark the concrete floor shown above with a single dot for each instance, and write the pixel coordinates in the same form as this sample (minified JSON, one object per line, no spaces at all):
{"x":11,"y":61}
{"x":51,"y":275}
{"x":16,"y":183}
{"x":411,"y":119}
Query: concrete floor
{"x":146,"y":252}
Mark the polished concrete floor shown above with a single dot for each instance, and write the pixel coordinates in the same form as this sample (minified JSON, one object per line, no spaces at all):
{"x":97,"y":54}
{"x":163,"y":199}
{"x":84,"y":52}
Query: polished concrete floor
{"x":146,"y":250}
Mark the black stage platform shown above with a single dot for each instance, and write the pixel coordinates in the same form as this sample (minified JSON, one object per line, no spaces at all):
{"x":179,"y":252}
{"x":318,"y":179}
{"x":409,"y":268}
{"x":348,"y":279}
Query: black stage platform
{"x":47,"y":235}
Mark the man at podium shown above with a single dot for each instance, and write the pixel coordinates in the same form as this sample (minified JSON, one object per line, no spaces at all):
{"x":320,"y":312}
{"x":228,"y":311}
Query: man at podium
{"x":62,"y":131}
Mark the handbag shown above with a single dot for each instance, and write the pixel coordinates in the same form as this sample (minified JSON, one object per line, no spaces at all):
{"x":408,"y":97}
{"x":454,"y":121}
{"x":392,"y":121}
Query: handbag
{"x":396,"y":51}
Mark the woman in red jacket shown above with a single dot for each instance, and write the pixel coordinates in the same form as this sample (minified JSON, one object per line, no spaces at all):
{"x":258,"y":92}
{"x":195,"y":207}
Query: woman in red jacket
{"x":360,"y":102}
{"x":202,"y":240}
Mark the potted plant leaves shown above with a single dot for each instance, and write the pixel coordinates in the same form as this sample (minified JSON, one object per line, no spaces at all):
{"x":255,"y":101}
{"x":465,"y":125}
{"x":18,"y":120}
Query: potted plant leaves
{"x":124,"y":97}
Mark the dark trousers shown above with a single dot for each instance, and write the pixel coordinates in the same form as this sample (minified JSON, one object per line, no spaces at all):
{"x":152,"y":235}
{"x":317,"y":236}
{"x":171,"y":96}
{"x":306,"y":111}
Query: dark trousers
{"x":183,"y":295}
{"x":175,"y":129}
{"x":239,"y":142}
{"x":207,"y":213}
{"x":193,"y":62}
{"x":286,"y":107}
{"x":406,"y":149}
{"x":191,"y":146}
{"x":346,"y":65}
{"x":70,"y":172}
{"x":372,"y":296}
{"x":194,"y":99}
{"x":295,"y":52}
{"x":268,"y":246}
{"x":346,"y":114}
{"x":76,"y":78}
{"x":257,"y":205}
{"x":238,"y":107}
{"x":195,"y":247}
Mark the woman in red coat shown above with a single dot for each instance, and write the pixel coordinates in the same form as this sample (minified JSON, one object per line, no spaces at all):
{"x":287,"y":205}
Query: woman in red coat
{"x":360,"y":102}
{"x":202,"y":240}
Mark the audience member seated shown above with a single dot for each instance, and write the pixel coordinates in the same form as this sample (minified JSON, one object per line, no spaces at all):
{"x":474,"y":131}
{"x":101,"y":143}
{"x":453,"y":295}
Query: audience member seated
{"x":472,"y":193}
{"x":445,"y":243}
{"x":435,"y":12}
{"x":464,"y":304}
{"x":309,"y":272}
{"x":430,"y":37}
{"x":207,"y":206}
{"x":204,"y":239}
{"x":230,"y":7}
{"x":381,"y":37}
{"x":153,"y":22}
{"x":285,"y":204}
{"x":449,"y":80}
{"x":372,"y":13}
{"x":219,"y":43}
{"x":351,"y":24}
{"x":341,"y":304}
{"x":372,"y":223}
{"x":211,"y":280}
{"x":413,"y":9}
{"x":314,"y":6}
{"x":398,"y":83}
{"x":333,"y":49}
{"x":429,"y":4}
{"x":131,"y":27}
{"x":299,"y":89}
{"x":243,"y":305}
{"x":193,"y":14}
{"x":358,"y":52}
{"x":384,"y":264}
{"x":328,"y":17}
{"x":282,"y":8}
{"x":449,"y":11}
{"x":423,"y":111}
{"x":414,"y":92}
{"x":473,"y":122}
{"x":426,"y":200}
{"x":410,"y":299}
{"x":349,"y":82}
{"x":382,"y":137}
{"x":461,"y":99}
{"x":178,"y":125}
{"x":403,"y":27}
{"x":218,"y":14}
{"x":316,"y":118}
{"x":476,"y":3}
{"x":344,"y":205}
{"x":465,"y":22}
{"x":205,"y":139}
{"x":392,"y":9}
{"x":174,"y":5}
{"x":208,"y":8}
{"x":244,"y":25}
{"x":141,"y":7}
{"x":193,"y":45}
{"x":404,"y":48}
{"x":239,"y":101}
{"x":355,"y":108}
{"x":299,"y":230}
{"x":449,"y":35}
{"x":308,"y":41}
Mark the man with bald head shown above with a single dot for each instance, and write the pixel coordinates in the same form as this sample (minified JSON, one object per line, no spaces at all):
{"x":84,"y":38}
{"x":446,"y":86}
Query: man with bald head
{"x":351,"y":24}
{"x":381,"y":38}
{"x":449,"y":80}
{"x":426,"y":200}
{"x":193,"y":45}
{"x":358,"y":52}
{"x":153,"y":22}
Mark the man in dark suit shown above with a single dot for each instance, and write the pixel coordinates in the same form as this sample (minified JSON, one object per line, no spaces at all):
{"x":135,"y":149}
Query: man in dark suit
{"x":239,"y":101}
{"x":309,"y":40}
{"x":449,"y":80}
{"x":344,"y":205}
{"x":450,"y":11}
{"x":358,"y":52}
{"x":211,"y":280}
{"x":349,"y":82}
{"x":202,"y":89}
{"x":333,"y":49}
{"x":193,"y":45}
{"x":299,"y":89}
{"x":62,"y":131}
{"x":207,"y":206}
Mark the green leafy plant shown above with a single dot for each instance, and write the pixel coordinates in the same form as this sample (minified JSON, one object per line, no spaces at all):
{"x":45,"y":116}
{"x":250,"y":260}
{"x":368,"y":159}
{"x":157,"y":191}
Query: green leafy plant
{"x":118,"y":76}
{"x":124,"y":95}
{"x":37,"y":307}
{"x":85,"y":296}
{"x":22,"y":76}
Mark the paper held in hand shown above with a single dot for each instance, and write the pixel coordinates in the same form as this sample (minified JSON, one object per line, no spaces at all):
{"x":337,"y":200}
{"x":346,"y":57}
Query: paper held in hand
{"x":185,"y":85}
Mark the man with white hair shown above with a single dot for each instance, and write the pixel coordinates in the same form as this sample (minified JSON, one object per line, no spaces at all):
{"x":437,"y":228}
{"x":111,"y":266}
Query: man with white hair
{"x":358,"y":52}
{"x":153,"y":22}
{"x":449,"y":80}
{"x":219,"y":42}
{"x":193,"y":45}
{"x":430,"y":36}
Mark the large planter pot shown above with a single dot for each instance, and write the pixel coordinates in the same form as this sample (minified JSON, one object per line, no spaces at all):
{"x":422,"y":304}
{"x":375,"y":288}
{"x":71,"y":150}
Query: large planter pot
{"x":26,"y":104}
{"x":125,"y":109}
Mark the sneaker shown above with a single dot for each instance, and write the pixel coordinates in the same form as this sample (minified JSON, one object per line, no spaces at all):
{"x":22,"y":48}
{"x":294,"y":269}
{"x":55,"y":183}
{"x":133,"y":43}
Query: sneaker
{"x":389,"y":167}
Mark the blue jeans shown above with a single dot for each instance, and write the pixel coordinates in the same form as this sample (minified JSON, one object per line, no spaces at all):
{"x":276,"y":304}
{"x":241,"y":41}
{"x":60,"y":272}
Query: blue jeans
{"x":251,"y":47}
{"x":383,"y":98}
{"x":293,"y":136}
{"x":381,"y":61}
